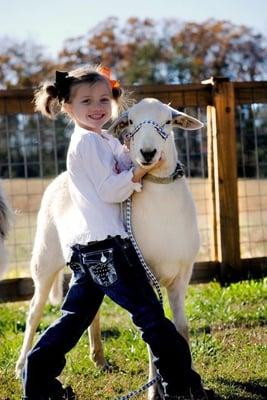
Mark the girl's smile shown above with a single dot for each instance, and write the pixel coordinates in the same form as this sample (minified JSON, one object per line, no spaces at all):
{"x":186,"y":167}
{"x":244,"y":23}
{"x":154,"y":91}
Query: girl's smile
{"x":97,"y":117}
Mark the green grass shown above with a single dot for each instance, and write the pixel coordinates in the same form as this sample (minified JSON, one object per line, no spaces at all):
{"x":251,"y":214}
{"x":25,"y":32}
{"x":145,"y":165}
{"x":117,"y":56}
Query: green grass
{"x":228,"y":341}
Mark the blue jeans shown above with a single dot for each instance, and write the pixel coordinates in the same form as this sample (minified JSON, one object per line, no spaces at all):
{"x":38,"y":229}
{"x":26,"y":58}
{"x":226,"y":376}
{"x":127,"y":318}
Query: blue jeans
{"x":110,"y":267}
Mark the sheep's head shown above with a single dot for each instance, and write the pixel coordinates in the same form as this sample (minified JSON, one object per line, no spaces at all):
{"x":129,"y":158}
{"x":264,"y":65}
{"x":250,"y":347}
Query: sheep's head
{"x":148,"y":125}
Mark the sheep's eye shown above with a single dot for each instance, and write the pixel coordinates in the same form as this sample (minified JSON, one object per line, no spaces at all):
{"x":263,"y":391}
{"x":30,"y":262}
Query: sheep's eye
{"x":130,"y":122}
{"x":168,"y":122}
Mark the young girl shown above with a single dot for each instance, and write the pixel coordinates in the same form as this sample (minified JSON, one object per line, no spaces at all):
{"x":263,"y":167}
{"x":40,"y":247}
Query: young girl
{"x":103,"y":259}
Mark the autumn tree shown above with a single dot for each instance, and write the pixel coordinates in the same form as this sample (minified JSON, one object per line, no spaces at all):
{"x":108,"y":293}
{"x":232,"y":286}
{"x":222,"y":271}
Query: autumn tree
{"x":216,"y":48}
{"x":101,"y":44}
{"x":148,"y":51}
{"x":131,"y":50}
{"x":23,"y":64}
{"x":145,"y":51}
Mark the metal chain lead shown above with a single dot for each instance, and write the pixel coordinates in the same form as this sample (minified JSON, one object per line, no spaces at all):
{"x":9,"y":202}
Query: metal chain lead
{"x":150,"y":275}
{"x":154,"y":282}
{"x":141,"y":389}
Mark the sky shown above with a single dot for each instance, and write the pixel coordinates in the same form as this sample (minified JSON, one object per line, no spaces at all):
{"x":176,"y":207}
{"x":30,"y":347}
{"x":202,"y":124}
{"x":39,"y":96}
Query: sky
{"x":50,"y":22}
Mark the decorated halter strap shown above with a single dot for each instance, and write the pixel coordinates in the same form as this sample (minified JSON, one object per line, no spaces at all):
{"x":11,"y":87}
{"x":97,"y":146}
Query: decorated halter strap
{"x":158,"y":128}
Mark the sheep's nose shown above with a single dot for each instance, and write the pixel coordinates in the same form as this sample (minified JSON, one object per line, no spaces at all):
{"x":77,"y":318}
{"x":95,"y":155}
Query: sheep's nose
{"x":148,"y":155}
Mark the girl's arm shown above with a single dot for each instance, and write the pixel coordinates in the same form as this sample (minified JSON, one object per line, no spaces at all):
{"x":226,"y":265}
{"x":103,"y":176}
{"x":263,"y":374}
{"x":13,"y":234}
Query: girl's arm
{"x":96,"y":166}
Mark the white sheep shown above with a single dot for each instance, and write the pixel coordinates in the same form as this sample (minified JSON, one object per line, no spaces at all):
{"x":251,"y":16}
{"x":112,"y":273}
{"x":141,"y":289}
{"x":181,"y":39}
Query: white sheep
{"x":6,"y":217}
{"x":163,"y":218}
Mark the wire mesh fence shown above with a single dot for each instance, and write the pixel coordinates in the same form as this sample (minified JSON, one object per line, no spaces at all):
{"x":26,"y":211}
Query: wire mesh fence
{"x":33,"y":151}
{"x":252,"y":183}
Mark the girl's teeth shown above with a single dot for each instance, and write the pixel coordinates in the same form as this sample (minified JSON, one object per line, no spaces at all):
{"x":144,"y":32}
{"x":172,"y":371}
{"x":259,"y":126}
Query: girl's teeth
{"x":96,"y":116}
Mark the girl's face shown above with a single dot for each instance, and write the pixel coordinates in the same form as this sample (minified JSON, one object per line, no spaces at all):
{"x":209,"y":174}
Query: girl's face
{"x":90,"y":105}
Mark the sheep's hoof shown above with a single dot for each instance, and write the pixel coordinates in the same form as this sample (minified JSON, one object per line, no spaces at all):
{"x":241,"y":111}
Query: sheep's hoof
{"x":107,"y":367}
{"x":110,"y":368}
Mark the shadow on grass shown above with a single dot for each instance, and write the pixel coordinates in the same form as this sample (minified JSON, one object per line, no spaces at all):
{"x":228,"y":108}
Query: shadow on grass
{"x":252,"y":388}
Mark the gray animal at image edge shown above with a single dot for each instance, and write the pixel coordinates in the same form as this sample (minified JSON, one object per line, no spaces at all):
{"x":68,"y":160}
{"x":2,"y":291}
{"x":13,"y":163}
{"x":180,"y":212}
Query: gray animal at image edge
{"x":6,"y":218}
{"x":163,"y":218}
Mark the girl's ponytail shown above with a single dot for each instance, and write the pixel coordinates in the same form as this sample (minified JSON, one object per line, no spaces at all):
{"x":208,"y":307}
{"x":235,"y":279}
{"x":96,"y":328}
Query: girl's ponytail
{"x":46,"y":100}
{"x":116,"y":92}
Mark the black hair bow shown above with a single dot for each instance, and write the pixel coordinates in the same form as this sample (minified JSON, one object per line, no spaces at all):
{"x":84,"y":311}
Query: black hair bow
{"x":62,"y":84}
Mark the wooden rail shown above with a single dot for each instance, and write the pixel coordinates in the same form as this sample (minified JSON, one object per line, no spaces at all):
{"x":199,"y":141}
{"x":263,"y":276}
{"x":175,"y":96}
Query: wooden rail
{"x":223,"y":177}
{"x":191,"y":95}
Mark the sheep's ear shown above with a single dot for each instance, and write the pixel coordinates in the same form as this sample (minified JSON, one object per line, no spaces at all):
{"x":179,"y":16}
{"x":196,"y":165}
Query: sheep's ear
{"x":184,"y":121}
{"x":120,"y":126}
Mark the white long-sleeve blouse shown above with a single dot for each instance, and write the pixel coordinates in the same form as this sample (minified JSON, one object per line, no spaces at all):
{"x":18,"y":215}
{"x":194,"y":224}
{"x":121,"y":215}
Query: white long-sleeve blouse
{"x":96,"y":186}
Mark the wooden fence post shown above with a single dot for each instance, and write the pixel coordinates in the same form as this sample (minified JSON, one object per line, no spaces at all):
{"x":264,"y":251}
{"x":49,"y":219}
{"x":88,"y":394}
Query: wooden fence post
{"x":223,"y":178}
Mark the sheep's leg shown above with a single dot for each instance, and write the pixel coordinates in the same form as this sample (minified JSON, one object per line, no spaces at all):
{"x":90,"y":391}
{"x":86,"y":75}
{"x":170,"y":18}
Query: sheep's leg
{"x":96,"y":347}
{"x":37,"y":304}
{"x":46,"y":263}
{"x":176,"y":294}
